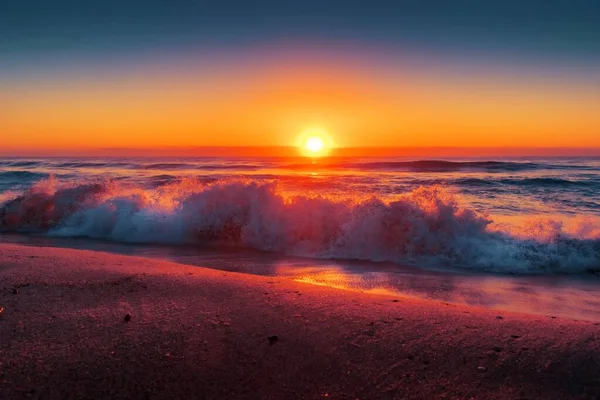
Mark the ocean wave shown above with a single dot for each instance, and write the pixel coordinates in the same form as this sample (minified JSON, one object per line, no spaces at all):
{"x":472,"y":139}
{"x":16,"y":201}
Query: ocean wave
{"x":21,"y":175}
{"x":433,"y":166}
{"x":427,"y":226}
{"x":529,"y":182}
{"x":90,"y":164}
{"x":440,"y":165}
{"x":167,"y":166}
{"x":540,"y":182}
{"x":19,"y":163}
{"x":475,"y":182}
{"x":200,"y":166}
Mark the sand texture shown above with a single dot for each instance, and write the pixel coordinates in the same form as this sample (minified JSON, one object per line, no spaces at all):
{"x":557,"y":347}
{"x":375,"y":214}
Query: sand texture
{"x":196,"y":333}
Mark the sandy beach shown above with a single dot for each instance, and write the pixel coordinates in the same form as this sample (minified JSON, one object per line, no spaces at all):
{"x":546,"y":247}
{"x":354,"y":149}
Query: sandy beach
{"x":90,"y":325}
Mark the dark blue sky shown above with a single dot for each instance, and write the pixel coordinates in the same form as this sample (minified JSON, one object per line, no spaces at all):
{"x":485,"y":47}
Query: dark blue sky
{"x":548,"y":30}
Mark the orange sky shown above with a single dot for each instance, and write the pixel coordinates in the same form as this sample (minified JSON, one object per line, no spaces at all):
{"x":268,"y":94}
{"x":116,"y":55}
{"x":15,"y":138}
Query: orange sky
{"x":270,"y":103}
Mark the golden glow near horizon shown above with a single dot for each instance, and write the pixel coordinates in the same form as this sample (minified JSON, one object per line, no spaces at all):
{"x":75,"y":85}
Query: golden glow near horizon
{"x":235,"y":104}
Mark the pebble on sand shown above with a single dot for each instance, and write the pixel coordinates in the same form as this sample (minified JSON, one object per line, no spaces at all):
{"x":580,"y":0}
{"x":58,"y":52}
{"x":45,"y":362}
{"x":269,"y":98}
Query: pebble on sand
{"x":127,"y":317}
{"x":481,"y":368}
{"x":15,"y":291}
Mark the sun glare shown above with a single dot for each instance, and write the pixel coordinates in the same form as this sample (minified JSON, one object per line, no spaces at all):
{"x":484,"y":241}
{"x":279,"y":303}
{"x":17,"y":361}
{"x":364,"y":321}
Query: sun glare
{"x":314,"y":143}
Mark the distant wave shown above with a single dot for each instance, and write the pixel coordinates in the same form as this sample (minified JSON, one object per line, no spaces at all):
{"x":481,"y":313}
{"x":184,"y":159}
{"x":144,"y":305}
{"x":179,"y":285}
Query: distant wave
{"x":200,"y":166}
{"x":173,"y":166}
{"x":21,"y":175}
{"x":475,"y":182}
{"x":90,"y":164}
{"x":412,"y":166}
{"x":545,"y":182}
{"x":19,"y":163}
{"x":530,"y":182}
{"x":426,"y":226}
{"x":438,"y":166}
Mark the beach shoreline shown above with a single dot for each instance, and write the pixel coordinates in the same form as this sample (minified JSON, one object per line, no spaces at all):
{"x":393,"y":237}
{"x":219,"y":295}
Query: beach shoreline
{"x":194,"y":332}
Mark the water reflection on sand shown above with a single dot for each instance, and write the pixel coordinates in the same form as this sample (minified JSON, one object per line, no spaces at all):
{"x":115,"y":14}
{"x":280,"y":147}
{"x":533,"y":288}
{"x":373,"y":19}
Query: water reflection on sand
{"x":576,"y":297}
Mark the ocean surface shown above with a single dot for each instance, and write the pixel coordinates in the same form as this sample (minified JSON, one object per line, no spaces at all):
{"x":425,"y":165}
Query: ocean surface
{"x":367,"y":223}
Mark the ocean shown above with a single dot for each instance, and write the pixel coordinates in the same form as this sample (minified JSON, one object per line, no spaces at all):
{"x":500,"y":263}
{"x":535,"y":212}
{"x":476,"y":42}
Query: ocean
{"x":452,"y":229}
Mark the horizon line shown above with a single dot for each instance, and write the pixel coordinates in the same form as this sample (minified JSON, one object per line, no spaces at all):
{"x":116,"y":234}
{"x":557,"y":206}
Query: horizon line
{"x":293,"y":151}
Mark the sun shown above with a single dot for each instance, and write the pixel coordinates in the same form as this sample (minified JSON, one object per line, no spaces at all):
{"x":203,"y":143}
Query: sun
{"x":314,"y":143}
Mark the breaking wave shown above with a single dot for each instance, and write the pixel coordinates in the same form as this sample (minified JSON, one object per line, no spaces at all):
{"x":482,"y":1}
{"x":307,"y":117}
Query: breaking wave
{"x":426,"y":227}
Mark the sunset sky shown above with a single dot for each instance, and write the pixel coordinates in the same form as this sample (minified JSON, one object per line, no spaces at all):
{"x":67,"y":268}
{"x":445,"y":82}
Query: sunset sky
{"x":149,"y":74}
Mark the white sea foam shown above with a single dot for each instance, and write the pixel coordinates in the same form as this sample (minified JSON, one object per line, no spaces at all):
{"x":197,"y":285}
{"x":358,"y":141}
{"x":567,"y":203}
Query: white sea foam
{"x":426,"y":226}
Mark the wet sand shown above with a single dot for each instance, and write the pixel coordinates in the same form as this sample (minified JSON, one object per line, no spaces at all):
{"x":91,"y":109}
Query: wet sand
{"x":202,"y":333}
